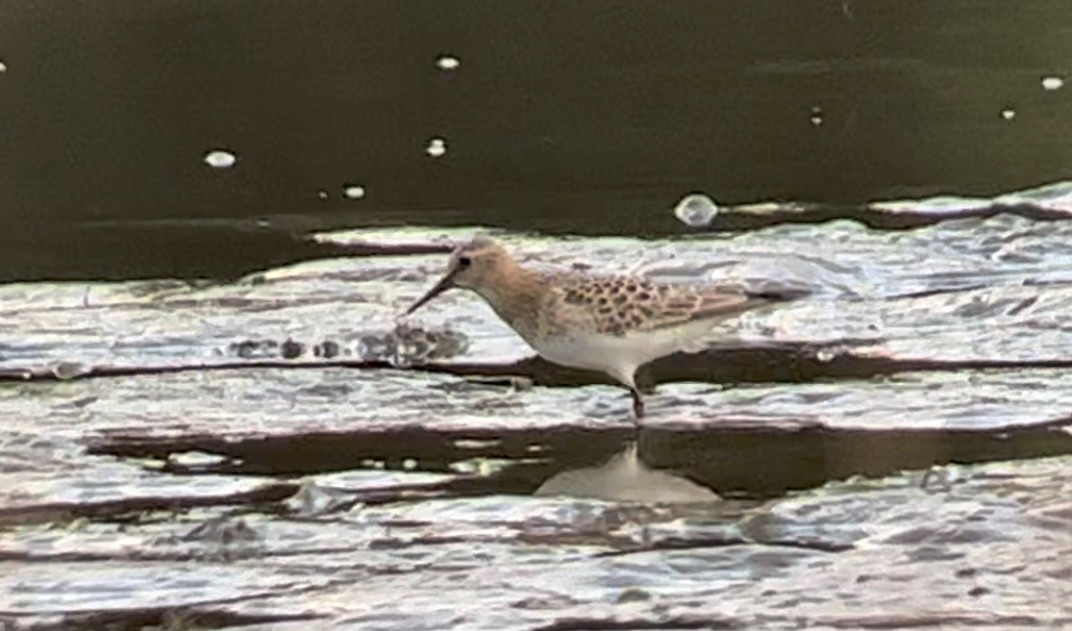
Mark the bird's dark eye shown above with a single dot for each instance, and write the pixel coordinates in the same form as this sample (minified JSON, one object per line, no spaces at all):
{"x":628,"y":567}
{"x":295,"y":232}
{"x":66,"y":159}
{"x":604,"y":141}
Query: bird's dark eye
{"x":464,"y":261}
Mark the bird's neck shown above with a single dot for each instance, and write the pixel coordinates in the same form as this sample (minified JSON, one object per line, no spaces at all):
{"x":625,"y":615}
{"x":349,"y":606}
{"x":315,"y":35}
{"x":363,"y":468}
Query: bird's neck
{"x":514,"y":293}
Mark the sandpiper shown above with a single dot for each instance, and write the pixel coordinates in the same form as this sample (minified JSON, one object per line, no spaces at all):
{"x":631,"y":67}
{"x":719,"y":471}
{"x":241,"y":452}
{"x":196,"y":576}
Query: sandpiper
{"x":610,"y":323}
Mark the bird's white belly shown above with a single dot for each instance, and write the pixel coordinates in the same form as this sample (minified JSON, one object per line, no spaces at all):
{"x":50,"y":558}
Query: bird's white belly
{"x":619,"y":356}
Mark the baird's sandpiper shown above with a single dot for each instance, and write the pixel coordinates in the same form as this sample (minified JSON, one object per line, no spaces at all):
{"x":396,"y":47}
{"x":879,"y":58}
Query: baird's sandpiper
{"x":610,"y":323}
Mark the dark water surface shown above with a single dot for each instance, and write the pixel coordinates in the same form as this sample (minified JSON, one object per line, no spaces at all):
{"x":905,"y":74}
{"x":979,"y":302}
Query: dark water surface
{"x":214,"y":417}
{"x":590,"y":117}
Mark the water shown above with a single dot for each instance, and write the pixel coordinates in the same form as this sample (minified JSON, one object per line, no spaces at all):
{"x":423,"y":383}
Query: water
{"x":271,"y":448}
{"x":476,"y":503}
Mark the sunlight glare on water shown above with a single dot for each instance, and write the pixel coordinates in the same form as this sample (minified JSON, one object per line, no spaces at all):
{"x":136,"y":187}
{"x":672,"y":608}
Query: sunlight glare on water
{"x":448,"y":62}
{"x":1052,"y":83}
{"x":220,"y":159}
{"x":437,"y":148}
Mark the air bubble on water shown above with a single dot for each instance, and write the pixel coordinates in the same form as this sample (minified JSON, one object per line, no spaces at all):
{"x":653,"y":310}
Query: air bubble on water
{"x":1052,"y":82}
{"x":1008,"y":113}
{"x":3,"y":67}
{"x":354,"y":191}
{"x":447,"y":62}
{"x":220,"y":159}
{"x":939,"y":478}
{"x":65,"y":371}
{"x":825,"y":355}
{"x":322,"y":194}
{"x":816,"y":116}
{"x":696,"y":210}
{"x":437,"y":148}
{"x":409,"y":464}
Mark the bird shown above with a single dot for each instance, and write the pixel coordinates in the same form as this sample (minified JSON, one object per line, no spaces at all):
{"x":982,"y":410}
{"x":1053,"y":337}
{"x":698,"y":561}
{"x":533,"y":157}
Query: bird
{"x":610,"y":323}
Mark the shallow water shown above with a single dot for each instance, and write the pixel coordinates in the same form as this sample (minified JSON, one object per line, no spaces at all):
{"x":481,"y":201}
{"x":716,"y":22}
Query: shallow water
{"x":993,"y":547}
{"x":963,"y":289}
{"x":983,"y":545}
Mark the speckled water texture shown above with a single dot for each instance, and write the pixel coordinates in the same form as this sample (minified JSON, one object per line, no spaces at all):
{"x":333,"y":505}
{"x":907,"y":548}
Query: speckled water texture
{"x":977,"y":546}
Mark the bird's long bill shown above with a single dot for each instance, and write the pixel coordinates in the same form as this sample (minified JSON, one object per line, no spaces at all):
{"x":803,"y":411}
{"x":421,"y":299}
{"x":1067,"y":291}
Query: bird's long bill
{"x":444,"y":284}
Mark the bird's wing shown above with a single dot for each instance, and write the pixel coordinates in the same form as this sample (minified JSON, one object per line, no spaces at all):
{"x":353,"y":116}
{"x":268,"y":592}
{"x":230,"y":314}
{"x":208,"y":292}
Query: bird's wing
{"x":683,"y":304}
{"x":618,"y":305}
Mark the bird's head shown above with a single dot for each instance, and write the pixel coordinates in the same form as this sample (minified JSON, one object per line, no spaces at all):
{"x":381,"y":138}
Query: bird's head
{"x":472,"y":266}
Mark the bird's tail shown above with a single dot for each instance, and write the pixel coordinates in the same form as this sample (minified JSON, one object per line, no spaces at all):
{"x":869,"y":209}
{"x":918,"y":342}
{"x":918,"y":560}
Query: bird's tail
{"x":778,"y":294}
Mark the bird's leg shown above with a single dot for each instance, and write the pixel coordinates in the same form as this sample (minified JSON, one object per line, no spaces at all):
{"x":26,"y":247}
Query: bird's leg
{"x":638,"y":403}
{"x":626,"y":376}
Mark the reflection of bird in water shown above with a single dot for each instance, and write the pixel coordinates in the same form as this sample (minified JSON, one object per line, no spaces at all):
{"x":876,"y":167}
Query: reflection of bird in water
{"x":625,"y":478}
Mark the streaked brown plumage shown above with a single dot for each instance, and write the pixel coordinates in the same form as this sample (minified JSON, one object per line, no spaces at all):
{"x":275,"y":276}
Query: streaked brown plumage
{"x":610,"y":323}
